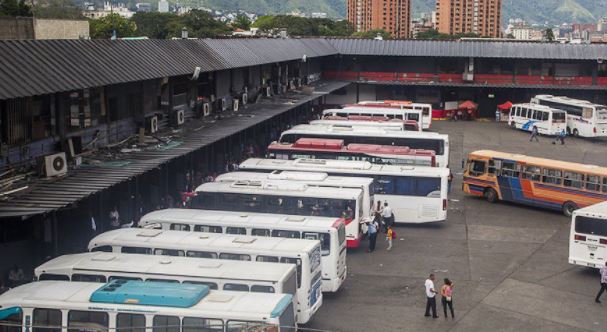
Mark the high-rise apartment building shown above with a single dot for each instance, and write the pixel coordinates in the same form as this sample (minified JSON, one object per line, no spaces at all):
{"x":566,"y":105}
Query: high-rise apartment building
{"x":393,"y":16}
{"x":482,"y":17}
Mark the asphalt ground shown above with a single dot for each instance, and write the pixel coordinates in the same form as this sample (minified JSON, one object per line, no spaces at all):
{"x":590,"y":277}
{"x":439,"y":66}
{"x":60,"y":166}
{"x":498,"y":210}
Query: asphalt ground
{"x":508,"y":262}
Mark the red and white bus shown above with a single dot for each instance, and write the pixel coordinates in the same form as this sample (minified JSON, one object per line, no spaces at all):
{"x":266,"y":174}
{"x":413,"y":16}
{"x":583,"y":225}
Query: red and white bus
{"x":323,"y":148}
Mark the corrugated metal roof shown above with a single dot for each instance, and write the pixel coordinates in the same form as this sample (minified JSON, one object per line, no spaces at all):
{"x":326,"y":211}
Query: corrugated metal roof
{"x":476,"y":49}
{"x":35,"y":67}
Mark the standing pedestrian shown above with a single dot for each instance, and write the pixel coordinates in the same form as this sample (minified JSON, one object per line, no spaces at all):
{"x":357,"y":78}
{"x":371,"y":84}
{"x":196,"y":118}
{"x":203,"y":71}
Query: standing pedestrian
{"x":372,"y":230}
{"x":430,"y":297}
{"x":387,"y":216}
{"x":390,"y":235}
{"x":446,"y":293}
{"x":449,"y":180}
{"x":534,"y":134}
{"x":603,"y":272}
{"x":114,"y":218}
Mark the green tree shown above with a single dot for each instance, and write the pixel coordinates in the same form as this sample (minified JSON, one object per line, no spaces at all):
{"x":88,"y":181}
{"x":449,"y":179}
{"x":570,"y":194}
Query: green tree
{"x":241,"y":22}
{"x":373,"y":33}
{"x":549,"y":35}
{"x":434,"y":34}
{"x":63,"y":9}
{"x":158,"y":25}
{"x":303,"y":26}
{"x":201,"y":24}
{"x":15,"y":8}
{"x":103,"y":27}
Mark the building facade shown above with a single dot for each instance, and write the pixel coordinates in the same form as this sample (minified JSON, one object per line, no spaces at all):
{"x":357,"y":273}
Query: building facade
{"x":393,"y":16}
{"x":481,"y":17}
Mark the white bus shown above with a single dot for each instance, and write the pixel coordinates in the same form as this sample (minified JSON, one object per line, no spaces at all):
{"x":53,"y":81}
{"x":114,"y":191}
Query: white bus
{"x":353,"y":229}
{"x":426,"y":109}
{"x":305,"y":254}
{"x":549,"y":121}
{"x":329,"y":231}
{"x":284,"y":197}
{"x":584,"y":118}
{"x":410,"y":125}
{"x":392,"y":125}
{"x":217,"y":274}
{"x":416,"y":194}
{"x":368,"y":135}
{"x":141,"y":306}
{"x":588,"y":236}
{"x":389,"y":113}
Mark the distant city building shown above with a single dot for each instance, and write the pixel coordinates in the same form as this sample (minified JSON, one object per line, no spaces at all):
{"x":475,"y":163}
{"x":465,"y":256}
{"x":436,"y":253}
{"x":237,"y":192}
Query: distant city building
{"x":108,"y":8}
{"x":422,"y":24}
{"x":27,"y":28}
{"x":163,"y":6}
{"x":143,"y":7}
{"x":482,"y":17}
{"x":393,"y":16}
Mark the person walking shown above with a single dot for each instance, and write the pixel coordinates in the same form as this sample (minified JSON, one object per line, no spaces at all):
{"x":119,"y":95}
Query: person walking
{"x":534,"y":134}
{"x":390,"y":235}
{"x":430,"y":297}
{"x":449,"y":180}
{"x":373,"y":226}
{"x":114,"y":218}
{"x":603,"y":272}
{"x":446,"y":293}
{"x":560,"y":137}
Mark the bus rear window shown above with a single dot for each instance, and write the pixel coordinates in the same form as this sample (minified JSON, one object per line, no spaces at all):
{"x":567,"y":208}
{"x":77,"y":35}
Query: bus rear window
{"x":102,"y":249}
{"x":262,"y":289}
{"x":591,"y":226}
{"x":558,"y":117}
{"x":236,"y":287}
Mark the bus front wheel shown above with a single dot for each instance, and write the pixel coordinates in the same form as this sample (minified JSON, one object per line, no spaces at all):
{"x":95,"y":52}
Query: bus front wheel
{"x":490,"y":195}
{"x":568,"y":208}
{"x":576,"y":133}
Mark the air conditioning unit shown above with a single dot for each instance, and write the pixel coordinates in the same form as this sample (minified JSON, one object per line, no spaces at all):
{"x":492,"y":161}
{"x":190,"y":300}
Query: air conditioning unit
{"x":235,"y":105}
{"x":245,"y":98}
{"x":180,"y":117}
{"x":468,"y":77}
{"x":224,"y":104}
{"x":206,"y":109}
{"x":55,"y":165}
{"x":152,"y":124}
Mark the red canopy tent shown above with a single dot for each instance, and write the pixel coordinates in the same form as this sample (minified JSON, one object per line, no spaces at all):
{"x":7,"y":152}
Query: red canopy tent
{"x":468,"y":105}
{"x":505,"y":106}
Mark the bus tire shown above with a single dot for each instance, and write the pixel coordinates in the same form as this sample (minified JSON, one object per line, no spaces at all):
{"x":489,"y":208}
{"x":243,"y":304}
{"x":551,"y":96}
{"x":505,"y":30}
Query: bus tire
{"x":576,"y":133}
{"x":568,"y":208}
{"x":490,"y":195}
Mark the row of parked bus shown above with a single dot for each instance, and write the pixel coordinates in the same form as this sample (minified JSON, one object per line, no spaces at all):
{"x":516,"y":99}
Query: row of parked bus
{"x":553,"y":114}
{"x":257,"y":248}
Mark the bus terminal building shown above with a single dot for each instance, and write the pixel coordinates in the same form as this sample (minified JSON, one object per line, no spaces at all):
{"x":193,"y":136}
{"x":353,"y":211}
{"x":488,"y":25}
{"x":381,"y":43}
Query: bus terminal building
{"x":87,"y":126}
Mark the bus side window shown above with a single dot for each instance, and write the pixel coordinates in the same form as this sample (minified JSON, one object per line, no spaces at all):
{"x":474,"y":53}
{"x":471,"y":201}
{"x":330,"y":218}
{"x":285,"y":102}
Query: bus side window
{"x":593,"y":183}
{"x":545,"y":116}
{"x":102,"y":249}
{"x":208,"y":229}
{"x":260,"y":232}
{"x":269,"y":259}
{"x":234,"y":257}
{"x":262,"y":289}
{"x":605,"y":184}
{"x":88,"y":277}
{"x":235,"y":287}
{"x":209,"y":284}
{"x":572,"y":179}
{"x":12,"y":322}
{"x":112,"y":278}
{"x":531,"y":173}
{"x":192,"y":324}
{"x":47,"y":320}
{"x":202,"y":254}
{"x":169,"y":252}
{"x":136,"y":250}
{"x":509,"y":169}
{"x":50,"y":276}
{"x":180,"y":227}
{"x":236,"y":230}
{"x":166,"y":324}
{"x":552,"y":176}
{"x":494,"y":166}
{"x":79,"y":320}
{"x":130,"y":322}
{"x":477,"y":167}
{"x":385,"y":185}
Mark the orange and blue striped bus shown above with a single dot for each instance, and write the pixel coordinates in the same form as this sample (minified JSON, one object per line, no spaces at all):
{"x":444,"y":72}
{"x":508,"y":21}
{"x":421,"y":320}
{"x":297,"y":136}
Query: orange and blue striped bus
{"x":545,"y":183}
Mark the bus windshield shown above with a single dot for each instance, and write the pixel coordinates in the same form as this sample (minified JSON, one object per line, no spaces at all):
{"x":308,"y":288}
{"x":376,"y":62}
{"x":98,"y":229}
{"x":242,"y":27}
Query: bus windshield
{"x":601,"y":115}
{"x":591,"y":226}
{"x":301,"y":206}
